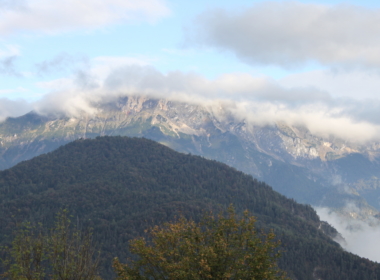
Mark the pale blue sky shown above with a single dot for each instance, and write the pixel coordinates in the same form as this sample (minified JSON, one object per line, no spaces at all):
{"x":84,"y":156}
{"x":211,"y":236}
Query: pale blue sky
{"x":159,"y":42}
{"x":280,"y":52}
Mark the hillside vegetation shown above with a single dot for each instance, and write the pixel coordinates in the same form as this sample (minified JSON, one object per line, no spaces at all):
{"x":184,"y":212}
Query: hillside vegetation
{"x":119,"y":186}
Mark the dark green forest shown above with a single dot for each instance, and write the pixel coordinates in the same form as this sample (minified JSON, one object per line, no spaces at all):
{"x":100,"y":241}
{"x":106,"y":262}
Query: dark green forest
{"x":119,"y":186}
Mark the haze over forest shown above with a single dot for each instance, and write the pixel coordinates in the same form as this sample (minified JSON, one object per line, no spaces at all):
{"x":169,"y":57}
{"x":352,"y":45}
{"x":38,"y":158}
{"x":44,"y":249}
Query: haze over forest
{"x":313,"y":64}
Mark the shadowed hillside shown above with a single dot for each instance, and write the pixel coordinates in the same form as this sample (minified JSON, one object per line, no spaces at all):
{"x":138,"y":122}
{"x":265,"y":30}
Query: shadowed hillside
{"x":119,"y":186}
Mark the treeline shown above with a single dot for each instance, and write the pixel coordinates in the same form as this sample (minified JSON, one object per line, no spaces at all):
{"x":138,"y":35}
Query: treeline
{"x":119,"y":186}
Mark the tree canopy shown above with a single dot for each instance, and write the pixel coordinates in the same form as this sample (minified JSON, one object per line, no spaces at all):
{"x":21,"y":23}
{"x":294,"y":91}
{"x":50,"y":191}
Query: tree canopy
{"x":218,"y":247}
{"x":62,"y":253}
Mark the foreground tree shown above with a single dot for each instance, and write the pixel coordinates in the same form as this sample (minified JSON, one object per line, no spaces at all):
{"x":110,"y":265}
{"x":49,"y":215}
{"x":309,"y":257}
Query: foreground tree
{"x":216,"y":248}
{"x":63,"y":253}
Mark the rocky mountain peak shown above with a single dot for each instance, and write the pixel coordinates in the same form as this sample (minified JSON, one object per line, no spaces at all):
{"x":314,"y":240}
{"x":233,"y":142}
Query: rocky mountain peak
{"x":290,"y":158}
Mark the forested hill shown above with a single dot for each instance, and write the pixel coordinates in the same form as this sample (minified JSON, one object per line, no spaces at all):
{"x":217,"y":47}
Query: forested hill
{"x":120,"y":186}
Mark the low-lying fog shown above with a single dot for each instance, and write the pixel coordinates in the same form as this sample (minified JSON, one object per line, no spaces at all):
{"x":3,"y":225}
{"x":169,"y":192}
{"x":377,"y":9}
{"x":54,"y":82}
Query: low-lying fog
{"x":361,"y":237}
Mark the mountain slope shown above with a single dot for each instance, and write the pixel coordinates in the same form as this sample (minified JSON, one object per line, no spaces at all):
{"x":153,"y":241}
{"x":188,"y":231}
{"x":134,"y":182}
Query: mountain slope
{"x":296,"y":163}
{"x":119,"y":186}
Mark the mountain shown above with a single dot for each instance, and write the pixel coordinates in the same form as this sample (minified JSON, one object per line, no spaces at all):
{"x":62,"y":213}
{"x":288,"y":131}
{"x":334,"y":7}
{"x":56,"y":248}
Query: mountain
{"x":315,"y":170}
{"x":119,"y":186}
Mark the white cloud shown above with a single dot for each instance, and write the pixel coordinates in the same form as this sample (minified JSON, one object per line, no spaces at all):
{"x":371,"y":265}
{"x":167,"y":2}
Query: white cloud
{"x":13,"y":108}
{"x":8,"y":56}
{"x":290,"y":34}
{"x":60,"y":84}
{"x":63,"y":15}
{"x":357,"y":92}
{"x":60,"y":63}
{"x":258,"y":100}
{"x":15,"y":90}
{"x":361,"y":237}
{"x":9,"y":51}
{"x":103,"y":65}
{"x":12,"y":4}
{"x":97,"y":70}
{"x":352,"y":84}
{"x":7,"y":67}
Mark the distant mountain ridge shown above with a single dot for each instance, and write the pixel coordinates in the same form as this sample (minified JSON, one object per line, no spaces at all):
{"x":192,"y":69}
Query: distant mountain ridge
{"x":120,"y":185}
{"x":296,"y":163}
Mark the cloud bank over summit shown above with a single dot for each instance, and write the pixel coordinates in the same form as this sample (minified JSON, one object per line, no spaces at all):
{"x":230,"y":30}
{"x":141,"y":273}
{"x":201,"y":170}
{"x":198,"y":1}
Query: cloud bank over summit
{"x":13,"y":108}
{"x":258,"y":100}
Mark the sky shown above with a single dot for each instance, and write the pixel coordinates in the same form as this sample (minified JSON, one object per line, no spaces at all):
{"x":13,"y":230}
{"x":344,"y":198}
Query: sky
{"x":311,"y":63}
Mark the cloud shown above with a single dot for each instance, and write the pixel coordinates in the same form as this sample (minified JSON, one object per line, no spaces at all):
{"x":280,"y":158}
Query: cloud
{"x":60,"y":63}
{"x":97,"y":70}
{"x":12,"y":4}
{"x":13,"y":108}
{"x":8,"y":68}
{"x":352,"y":84}
{"x":9,"y":51}
{"x":14,"y":90}
{"x":257,"y":100}
{"x":8,"y":56}
{"x":360,"y":237}
{"x":62,"y":15}
{"x":356,"y":91}
{"x":291,"y":34}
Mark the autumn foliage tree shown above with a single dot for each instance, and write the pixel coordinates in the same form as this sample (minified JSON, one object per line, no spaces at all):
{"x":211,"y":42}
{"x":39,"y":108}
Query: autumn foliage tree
{"x":216,"y":248}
